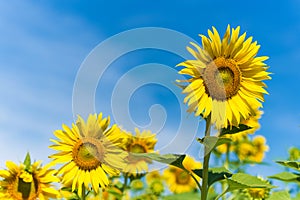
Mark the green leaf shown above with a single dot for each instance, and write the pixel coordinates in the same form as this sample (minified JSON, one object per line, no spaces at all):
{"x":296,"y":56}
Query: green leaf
{"x":210,"y":142}
{"x":27,"y":161}
{"x":234,"y":129}
{"x":214,"y":174}
{"x":243,"y":181}
{"x":286,"y":176}
{"x":171,"y":159}
{"x":290,"y":164}
{"x":187,"y":196}
{"x":280,"y":195}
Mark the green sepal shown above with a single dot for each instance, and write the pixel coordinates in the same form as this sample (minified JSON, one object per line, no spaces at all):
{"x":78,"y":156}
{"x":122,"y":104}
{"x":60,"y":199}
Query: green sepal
{"x":27,"y":162}
{"x":214,"y":174}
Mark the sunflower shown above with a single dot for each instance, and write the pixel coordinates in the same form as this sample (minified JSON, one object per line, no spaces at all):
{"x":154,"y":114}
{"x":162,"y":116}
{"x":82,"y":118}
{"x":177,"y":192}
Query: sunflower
{"x":252,"y":150}
{"x":153,"y":176}
{"x":89,"y":151}
{"x":178,"y":180}
{"x":226,"y":78}
{"x":141,"y":142}
{"x":30,"y":182}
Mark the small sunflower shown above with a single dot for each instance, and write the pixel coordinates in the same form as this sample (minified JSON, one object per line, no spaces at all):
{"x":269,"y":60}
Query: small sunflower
{"x":153,"y":176}
{"x":294,"y":154}
{"x":89,"y":151}
{"x":27,"y":181}
{"x":178,"y":180}
{"x":142,"y":142}
{"x":252,"y":150}
{"x":259,"y":143}
{"x":157,"y":187}
{"x":226,"y":78}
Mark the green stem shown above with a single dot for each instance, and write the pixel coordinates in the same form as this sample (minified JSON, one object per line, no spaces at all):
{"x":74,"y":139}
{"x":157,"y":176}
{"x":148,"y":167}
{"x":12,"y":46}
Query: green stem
{"x":207,"y":152}
{"x":227,"y":161}
{"x":125,"y":183}
{"x":220,"y":195}
{"x":226,"y":165}
{"x":83,"y":195}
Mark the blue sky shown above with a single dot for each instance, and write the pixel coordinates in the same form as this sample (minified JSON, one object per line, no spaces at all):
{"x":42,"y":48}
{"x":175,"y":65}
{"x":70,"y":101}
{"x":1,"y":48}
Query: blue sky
{"x":42,"y":46}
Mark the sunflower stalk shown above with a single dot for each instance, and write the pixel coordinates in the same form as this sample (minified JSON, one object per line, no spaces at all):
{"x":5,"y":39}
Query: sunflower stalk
{"x":207,"y":152}
{"x":83,"y":195}
{"x":125,"y":183}
{"x":226,"y":165}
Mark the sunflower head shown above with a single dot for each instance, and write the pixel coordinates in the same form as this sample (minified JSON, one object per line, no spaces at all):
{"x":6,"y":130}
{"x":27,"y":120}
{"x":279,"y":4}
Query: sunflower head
{"x":137,"y":184}
{"x":27,"y":181}
{"x":90,"y":152}
{"x":153,"y":176}
{"x":225,"y":78}
{"x":252,"y":150}
{"x":157,"y":187}
{"x":179,"y":180}
{"x":141,"y":142}
{"x":294,"y":154}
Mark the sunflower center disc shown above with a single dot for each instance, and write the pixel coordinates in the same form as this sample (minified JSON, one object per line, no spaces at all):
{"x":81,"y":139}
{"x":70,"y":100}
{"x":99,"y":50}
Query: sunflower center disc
{"x":222,"y":78}
{"x":88,"y":153}
{"x":137,"y":148}
{"x":182,"y":177}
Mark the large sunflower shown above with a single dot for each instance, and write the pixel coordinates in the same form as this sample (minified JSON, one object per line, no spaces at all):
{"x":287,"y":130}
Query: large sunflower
{"x":142,"y":142}
{"x":178,"y":180}
{"x":90,"y":151}
{"x":28,"y":182}
{"x":226,"y":78}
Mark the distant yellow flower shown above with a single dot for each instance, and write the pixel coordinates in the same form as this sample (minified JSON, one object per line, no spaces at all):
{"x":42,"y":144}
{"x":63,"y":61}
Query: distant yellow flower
{"x":245,"y":151}
{"x":257,"y":193}
{"x":178,"y":180}
{"x":157,"y":187}
{"x":259,"y":143}
{"x":140,"y":143}
{"x":90,"y":151}
{"x":252,"y":150}
{"x":137,"y":184}
{"x":294,"y":153}
{"x":152,"y":176}
{"x":27,"y":182}
{"x":226,"y":78}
